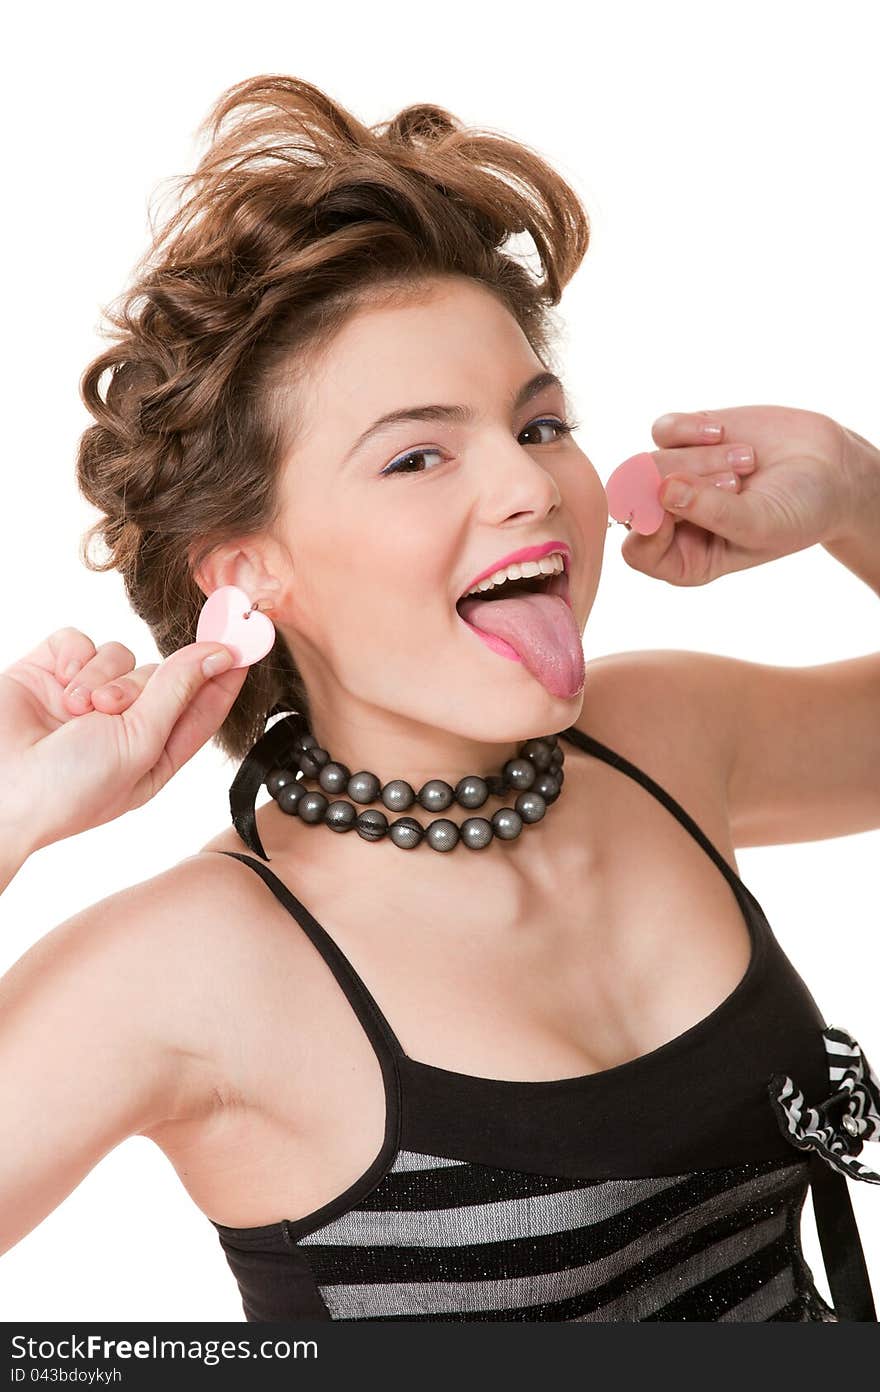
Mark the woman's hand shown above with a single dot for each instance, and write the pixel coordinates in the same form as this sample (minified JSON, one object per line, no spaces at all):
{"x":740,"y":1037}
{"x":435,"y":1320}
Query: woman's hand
{"x":799,"y":491}
{"x":68,"y":763}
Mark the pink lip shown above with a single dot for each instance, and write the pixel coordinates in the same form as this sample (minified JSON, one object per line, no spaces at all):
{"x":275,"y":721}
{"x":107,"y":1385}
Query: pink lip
{"x":525,"y":553}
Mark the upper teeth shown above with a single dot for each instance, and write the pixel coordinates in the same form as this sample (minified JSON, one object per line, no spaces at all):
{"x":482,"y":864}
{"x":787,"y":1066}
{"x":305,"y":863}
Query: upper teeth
{"x":547,"y":565}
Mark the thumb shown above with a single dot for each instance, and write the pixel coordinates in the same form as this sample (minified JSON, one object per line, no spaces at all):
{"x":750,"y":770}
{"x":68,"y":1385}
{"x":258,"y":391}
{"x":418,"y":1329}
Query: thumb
{"x":180,"y":708}
{"x":736,"y":517}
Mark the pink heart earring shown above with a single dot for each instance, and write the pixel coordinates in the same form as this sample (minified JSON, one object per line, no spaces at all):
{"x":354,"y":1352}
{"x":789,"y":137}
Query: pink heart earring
{"x":229,"y":617}
{"x":633,"y":491}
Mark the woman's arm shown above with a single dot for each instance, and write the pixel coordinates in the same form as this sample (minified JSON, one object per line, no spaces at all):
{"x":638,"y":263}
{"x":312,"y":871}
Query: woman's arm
{"x":10,"y":864}
{"x":858,"y":545}
{"x":804,"y":742}
{"x":102,"y":1035}
{"x":15,"y":843}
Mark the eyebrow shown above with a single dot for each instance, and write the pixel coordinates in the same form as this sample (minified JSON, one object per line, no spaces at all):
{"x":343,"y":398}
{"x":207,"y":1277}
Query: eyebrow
{"x":460,"y":414}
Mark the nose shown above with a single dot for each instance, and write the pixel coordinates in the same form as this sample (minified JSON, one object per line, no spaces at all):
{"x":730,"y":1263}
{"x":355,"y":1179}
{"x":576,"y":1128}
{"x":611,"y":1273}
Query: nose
{"x":515,"y":481}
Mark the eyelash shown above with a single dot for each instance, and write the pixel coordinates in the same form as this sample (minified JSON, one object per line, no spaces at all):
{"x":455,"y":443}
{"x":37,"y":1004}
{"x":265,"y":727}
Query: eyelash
{"x":564,"y":428}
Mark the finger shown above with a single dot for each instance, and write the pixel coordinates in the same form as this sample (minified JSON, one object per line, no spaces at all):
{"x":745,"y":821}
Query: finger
{"x":735,"y":516}
{"x":687,"y":428}
{"x":110,"y":660}
{"x":64,"y":651}
{"x":706,"y":459}
{"x":199,"y":722}
{"x":116,"y":696}
{"x":179,"y":709}
{"x":652,"y":551}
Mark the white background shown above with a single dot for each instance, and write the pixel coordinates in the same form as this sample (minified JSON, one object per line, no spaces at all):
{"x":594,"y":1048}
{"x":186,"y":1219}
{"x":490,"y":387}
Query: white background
{"x":727,"y":158}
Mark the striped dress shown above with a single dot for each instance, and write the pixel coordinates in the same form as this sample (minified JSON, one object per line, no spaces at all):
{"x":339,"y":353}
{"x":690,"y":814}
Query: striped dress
{"x":667,"y":1188}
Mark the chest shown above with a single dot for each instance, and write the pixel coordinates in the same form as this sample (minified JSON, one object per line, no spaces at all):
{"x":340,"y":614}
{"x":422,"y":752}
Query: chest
{"x":620,"y":940}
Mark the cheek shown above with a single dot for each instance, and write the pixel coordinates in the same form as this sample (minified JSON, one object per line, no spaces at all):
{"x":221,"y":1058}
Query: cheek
{"x":371,"y":558}
{"x":414,"y":591}
{"x":383,"y":589}
{"x":586,"y":503}
{"x":416,"y":558}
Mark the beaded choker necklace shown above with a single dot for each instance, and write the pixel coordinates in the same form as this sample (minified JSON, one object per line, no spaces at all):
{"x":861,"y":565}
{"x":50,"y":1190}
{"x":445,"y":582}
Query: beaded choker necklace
{"x":289,"y":753}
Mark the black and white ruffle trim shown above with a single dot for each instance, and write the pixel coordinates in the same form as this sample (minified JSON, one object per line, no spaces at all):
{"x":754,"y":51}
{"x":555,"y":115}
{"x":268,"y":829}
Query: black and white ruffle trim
{"x":836,"y":1128}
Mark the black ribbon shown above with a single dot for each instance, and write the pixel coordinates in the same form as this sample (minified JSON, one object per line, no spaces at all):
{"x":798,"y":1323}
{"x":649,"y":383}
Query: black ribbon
{"x":842,"y":1253}
{"x":271,"y":750}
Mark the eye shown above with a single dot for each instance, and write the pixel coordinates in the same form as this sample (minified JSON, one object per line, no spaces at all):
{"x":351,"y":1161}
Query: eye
{"x":563,"y":428}
{"x":401,"y":465}
{"x":398,"y":466}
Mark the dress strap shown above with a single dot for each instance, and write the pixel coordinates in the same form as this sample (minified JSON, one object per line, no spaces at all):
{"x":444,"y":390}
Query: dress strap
{"x":610,"y":756}
{"x":379,"y":1031}
{"x":841,"y":1246}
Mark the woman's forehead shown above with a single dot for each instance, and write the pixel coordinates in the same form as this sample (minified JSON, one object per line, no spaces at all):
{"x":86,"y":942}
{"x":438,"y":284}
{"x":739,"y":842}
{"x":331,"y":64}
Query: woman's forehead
{"x":457,"y":346}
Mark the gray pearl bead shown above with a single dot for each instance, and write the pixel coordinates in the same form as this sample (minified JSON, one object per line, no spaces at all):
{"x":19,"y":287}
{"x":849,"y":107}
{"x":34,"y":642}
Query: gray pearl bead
{"x":536,"y":773}
{"x":340,"y":816}
{"x":548,"y":786}
{"x":436,"y":795}
{"x":334,"y":777}
{"x":471,"y":791}
{"x":398,"y":795}
{"x":406,"y":832}
{"x":531,"y":806}
{"x":442,"y":834}
{"x":507,"y":823}
{"x":476,"y":832}
{"x":289,"y":797}
{"x":312,"y":806}
{"x":363,"y":787}
{"x":539,"y":752}
{"x":371,"y":825}
{"x":520,"y":773}
{"x":278,"y":778}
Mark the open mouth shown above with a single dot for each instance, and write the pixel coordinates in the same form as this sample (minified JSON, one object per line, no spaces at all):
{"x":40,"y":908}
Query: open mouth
{"x":530,"y":584}
{"x":532,"y":628}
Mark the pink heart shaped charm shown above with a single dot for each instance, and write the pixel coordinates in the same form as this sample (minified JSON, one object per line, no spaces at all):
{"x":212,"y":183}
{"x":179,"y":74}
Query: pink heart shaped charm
{"x":633,"y":494}
{"x":224,"y":618}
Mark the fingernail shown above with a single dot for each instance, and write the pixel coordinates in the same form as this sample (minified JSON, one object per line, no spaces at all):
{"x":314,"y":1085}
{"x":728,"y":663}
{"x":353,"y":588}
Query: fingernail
{"x":677,"y":494}
{"x":115,"y":692}
{"x":80,"y":696}
{"x":711,"y":432}
{"x":71,"y":669}
{"x":740,"y":456}
{"x":217,"y":662}
{"x":728,"y":481}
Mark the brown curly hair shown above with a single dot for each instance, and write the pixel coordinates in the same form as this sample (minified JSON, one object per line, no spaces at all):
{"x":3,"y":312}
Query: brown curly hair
{"x":294,"y":217}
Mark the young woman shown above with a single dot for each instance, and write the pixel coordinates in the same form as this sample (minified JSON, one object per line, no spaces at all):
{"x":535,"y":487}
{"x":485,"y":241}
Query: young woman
{"x":400,"y":1084}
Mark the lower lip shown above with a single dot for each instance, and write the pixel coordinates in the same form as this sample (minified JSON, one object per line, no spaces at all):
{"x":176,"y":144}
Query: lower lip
{"x":559,"y":585}
{"x":497,"y":644}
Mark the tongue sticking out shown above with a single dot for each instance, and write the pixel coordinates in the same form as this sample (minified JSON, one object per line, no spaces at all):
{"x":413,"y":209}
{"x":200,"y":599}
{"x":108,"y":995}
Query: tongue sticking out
{"x":541,"y":629}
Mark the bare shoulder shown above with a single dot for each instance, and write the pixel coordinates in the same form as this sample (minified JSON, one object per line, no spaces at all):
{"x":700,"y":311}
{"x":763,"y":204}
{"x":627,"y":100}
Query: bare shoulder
{"x":671,"y":711}
{"x":178,"y":915}
{"x":170,"y":954}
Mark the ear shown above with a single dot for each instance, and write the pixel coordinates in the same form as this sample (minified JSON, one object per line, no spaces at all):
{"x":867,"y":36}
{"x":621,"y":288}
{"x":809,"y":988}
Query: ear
{"x":235,"y":564}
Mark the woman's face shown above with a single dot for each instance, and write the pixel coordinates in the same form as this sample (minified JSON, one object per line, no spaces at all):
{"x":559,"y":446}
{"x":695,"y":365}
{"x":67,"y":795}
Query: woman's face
{"x":384,"y":528}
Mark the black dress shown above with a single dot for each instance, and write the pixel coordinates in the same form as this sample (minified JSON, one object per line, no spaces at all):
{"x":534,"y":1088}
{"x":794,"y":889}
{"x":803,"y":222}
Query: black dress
{"x":667,"y":1188}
